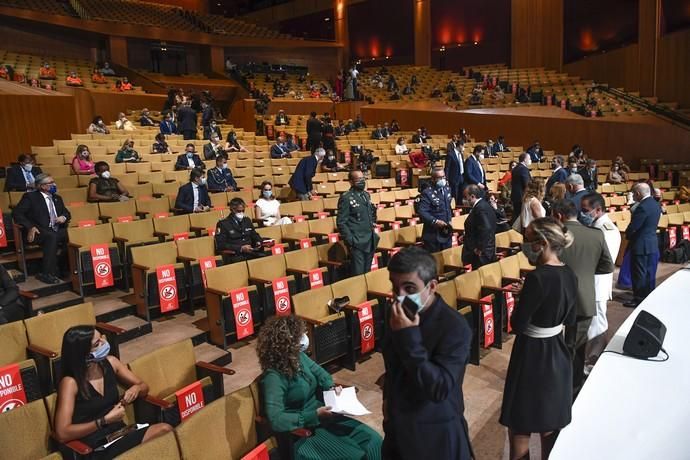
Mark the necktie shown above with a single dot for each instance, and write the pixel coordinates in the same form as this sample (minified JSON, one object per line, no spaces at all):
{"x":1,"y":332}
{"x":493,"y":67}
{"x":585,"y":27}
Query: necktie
{"x":52,"y":213}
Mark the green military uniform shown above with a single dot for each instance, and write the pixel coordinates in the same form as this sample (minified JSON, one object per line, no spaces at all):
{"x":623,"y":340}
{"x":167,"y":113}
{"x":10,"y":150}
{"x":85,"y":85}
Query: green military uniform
{"x":290,"y":404}
{"x":356,"y":220}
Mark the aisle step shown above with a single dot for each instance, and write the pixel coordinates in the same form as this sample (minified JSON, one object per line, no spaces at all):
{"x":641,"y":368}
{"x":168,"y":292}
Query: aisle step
{"x":42,"y":289}
{"x":134,"y":326}
{"x":52,"y":302}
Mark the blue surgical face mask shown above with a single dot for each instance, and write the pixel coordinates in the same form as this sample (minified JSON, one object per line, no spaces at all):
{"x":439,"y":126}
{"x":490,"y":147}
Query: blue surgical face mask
{"x":53,"y":189}
{"x":267,"y":194}
{"x":304,"y":343}
{"x":190,"y":154}
{"x":415,"y":297}
{"x":586,"y":218}
{"x":441,"y":182}
{"x":100,"y":353}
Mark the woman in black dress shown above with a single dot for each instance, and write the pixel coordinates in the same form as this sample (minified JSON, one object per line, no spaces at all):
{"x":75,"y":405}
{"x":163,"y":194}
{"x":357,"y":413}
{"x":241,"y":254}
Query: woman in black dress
{"x":538,"y":391}
{"x":89,"y":406}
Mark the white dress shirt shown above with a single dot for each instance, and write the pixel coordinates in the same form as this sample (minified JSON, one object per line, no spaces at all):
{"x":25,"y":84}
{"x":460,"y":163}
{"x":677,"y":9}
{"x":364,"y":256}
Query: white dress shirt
{"x":195,"y":190}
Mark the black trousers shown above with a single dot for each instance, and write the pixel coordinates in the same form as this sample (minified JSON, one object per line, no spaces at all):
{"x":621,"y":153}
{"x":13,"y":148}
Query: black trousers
{"x":51,"y":242}
{"x":641,"y":282}
{"x":360,"y":261}
{"x":456,"y":192}
{"x":517,"y":209}
{"x":433,"y":245}
{"x":189,"y":134}
{"x":477,"y":260}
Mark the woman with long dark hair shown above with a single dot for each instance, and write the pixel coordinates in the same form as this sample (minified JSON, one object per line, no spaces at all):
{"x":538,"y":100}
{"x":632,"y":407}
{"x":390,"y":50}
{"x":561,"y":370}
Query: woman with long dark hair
{"x":290,"y":383}
{"x":89,"y":406}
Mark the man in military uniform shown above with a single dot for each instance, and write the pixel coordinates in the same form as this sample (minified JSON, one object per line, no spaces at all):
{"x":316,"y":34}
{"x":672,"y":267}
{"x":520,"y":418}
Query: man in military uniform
{"x":356,"y":220}
{"x":236,"y":233}
{"x":434,"y":208}
{"x":593,"y":214}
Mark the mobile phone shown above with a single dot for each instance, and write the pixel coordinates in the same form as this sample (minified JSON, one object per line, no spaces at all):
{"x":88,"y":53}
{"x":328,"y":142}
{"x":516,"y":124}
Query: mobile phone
{"x":410,"y":308}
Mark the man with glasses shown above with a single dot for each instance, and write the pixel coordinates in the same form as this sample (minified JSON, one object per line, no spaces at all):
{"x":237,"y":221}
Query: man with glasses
{"x":22,"y":176}
{"x":44,"y":219}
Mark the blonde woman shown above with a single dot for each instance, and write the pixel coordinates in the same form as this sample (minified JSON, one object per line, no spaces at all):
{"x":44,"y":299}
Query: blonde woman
{"x":531,"y":203}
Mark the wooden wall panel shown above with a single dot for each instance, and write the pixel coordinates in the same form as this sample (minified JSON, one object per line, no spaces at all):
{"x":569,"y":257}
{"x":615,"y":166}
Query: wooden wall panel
{"x":647,"y":44}
{"x":601,"y":138}
{"x":321,"y":61}
{"x":34,"y":120}
{"x":537,"y":33}
{"x":673,"y":74}
{"x":619,"y":68}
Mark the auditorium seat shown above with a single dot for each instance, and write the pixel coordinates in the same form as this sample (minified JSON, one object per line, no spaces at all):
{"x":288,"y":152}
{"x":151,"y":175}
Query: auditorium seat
{"x":45,"y":333}
{"x":14,"y":350}
{"x":190,"y":252}
{"x":167,"y":370}
{"x":162,"y":447}
{"x":220,"y":282}
{"x":25,"y":433}
{"x":117,"y":211}
{"x":145,"y":262}
{"x":82,"y":270}
{"x":172,"y":227}
{"x":301,"y":262}
{"x":262,"y":273}
{"x":153,"y":208}
{"x":469,"y":288}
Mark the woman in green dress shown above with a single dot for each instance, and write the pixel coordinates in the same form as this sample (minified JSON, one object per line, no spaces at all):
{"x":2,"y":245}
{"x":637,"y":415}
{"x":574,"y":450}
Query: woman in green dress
{"x":290,"y":383}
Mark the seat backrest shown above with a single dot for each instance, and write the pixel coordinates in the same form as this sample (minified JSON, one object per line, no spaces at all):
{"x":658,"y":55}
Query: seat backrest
{"x":406,"y":234}
{"x":273,"y":232}
{"x":448,"y":292}
{"x":379,"y":281}
{"x":154,"y":206}
{"x":354,"y":287}
{"x":196,"y":248}
{"x":300,"y":229}
{"x":313,"y":303}
{"x":502,"y":240}
{"x":223,"y":429}
{"x":387,"y":239}
{"x":326,"y":225}
{"x":13,"y":343}
{"x":469,"y":285}
{"x":167,"y":369}
{"x":155,"y":255}
{"x":490,"y":275}
{"x":268,"y":268}
{"x":227,"y":277}
{"x":136,"y":230}
{"x":172,"y":225}
{"x":510,"y":267}
{"x":303,"y":259}
{"x":312,"y":206}
{"x":293,"y":208}
{"x":25,"y":431}
{"x":206,"y":219}
{"x":87,"y":236}
{"x":162,"y":447}
{"x":118,"y":209}
{"x":87,"y":211}
{"x":46,"y":330}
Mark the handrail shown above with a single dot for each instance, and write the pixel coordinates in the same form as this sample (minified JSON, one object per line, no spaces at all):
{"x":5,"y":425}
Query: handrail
{"x":79,"y":8}
{"x":657,"y":109}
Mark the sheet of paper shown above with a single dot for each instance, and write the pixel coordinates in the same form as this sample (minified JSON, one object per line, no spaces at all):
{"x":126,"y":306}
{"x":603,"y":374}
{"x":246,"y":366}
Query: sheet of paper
{"x":139,"y":427}
{"x":346,"y":403}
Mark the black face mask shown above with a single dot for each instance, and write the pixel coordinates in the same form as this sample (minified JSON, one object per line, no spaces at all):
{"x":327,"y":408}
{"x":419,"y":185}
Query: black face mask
{"x":360,"y":184}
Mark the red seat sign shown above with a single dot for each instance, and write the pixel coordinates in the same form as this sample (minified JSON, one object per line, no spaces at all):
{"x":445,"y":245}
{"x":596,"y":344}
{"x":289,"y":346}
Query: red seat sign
{"x":204,"y":264}
{"x":672,"y":237}
{"x":333,"y":237}
{"x":102,"y":267}
{"x":281,"y":296}
{"x":278,"y":249}
{"x":374,"y":263}
{"x":510,"y":306}
{"x":190,"y":399}
{"x":12,"y":393}
{"x":315,"y":278}
{"x":167,"y":288}
{"x":244,"y":323}
{"x":366,"y":326}
{"x":86,"y":223}
{"x":124,"y":219}
{"x":3,"y":232}
{"x":260,"y":452}
{"x":305,"y":243}
{"x":488,"y":316}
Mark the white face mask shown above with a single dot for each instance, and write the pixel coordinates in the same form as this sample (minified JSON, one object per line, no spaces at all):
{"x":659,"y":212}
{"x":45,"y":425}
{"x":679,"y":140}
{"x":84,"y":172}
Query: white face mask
{"x":304,"y":343}
{"x":224,"y":166}
{"x":202,"y":181}
{"x":105,"y":174}
{"x":27,"y":167}
{"x":239,"y":215}
{"x":481,"y":156}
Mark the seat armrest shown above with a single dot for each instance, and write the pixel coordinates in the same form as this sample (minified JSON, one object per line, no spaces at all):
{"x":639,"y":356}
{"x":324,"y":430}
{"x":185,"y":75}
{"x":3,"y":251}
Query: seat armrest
{"x":161,"y":234}
{"x":214,"y":368}
{"x":332,"y":263}
{"x":142,"y":214}
{"x":216,"y":291}
{"x":512,"y":280}
{"x":157,"y":402}
{"x":42,"y":351}
{"x":76,"y":446}
{"x":73,"y":245}
{"x":472,"y":301}
{"x":228,"y":252}
{"x":105,"y":219}
{"x":140,"y":267}
{"x":255,"y":280}
{"x":119,"y":239}
{"x":110,"y":328}
{"x":186,"y":259}
{"x":500,"y":289}
{"x":388,"y":295}
{"x":28,"y":295}
{"x":312,"y":321}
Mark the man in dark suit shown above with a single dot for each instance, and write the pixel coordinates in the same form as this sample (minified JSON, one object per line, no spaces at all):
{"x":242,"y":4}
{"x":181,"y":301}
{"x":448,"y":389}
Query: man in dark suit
{"x":145,"y":119}
{"x":314,"y":132}
{"x":236,"y":233}
{"x":377,"y":134}
{"x":520,"y":177}
{"x":167,"y":126}
{"x":474,"y":171}
{"x":559,"y":173}
{"x":576,"y":190}
{"x":22,"y":176}
{"x":186,"y":120}
{"x":536,"y":152}
{"x":433,"y":207}
{"x":213,"y":149}
{"x":300,"y":181}
{"x":589,"y":175}
{"x":279,"y":149}
{"x":455,"y":167}
{"x":206,"y":114}
{"x":193,"y":196}
{"x":189,"y":160}
{"x":479,"y":242}
{"x":500,"y":146}
{"x":44,"y":219}
{"x":281,"y":119}
{"x":425,"y":359}
{"x":587,"y":256}
{"x":642,"y":241}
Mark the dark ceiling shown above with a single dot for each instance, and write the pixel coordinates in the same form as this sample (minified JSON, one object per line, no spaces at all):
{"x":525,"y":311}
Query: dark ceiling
{"x":239,"y":7}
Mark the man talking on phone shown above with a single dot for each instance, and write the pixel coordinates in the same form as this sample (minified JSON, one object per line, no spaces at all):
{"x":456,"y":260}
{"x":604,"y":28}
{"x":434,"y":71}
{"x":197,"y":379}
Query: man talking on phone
{"x":425,"y":351}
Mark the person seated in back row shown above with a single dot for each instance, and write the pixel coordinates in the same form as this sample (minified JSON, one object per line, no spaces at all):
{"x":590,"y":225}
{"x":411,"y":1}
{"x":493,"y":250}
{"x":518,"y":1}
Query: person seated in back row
{"x":73,"y":79}
{"x":105,"y":188}
{"x":214,"y":149}
{"x":97,"y":77}
{"x":193,"y":196}
{"x":146,"y":119}
{"x":220,"y":177}
{"x":127,"y":154}
{"x":21,"y":177}
{"x":236,"y":233}
{"x":189,"y":159}
{"x":47,"y":72}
